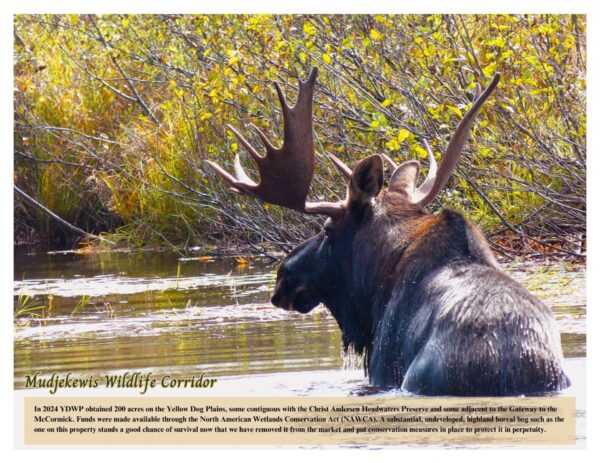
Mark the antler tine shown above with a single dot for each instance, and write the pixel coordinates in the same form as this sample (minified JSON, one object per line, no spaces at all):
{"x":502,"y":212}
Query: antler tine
{"x":243,"y":184}
{"x":428,"y":183}
{"x":390,"y":161}
{"x":285,"y":173}
{"x":342,"y":168}
{"x":281,"y":96}
{"x":264,"y":139}
{"x":246,"y":144}
{"x":457,"y":142}
{"x":325,"y":208}
{"x":241,"y":173}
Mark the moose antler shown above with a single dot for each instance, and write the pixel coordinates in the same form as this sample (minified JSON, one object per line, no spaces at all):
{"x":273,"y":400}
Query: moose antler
{"x":285,"y":173}
{"x":437,"y":180}
{"x":342,"y":168}
{"x":429,"y":181}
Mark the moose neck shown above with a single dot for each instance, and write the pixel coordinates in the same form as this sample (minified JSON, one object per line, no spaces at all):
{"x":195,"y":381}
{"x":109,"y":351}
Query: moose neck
{"x":367,"y":276}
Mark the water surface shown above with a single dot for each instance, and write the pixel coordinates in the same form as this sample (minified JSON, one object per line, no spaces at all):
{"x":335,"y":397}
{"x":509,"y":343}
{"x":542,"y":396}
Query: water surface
{"x":112,"y":312}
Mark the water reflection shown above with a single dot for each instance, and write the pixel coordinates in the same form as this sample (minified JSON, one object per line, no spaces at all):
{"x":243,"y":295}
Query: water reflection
{"x":106,"y":313}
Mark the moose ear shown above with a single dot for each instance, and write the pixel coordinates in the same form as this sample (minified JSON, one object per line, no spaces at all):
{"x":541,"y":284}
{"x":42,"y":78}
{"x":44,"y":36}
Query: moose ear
{"x":366,"y":180}
{"x":404,"y":178}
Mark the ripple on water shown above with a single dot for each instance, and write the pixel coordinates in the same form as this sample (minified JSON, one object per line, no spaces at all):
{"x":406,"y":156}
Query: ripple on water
{"x":102,"y":314}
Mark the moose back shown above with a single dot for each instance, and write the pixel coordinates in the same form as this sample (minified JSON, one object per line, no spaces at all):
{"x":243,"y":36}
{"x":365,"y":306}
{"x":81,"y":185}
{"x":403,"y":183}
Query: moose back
{"x":420,"y":295}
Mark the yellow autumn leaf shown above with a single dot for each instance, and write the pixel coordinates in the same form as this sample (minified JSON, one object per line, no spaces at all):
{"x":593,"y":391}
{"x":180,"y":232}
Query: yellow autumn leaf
{"x":490,"y":69}
{"x":241,"y":262}
{"x":326,"y":58}
{"x":403,"y":134}
{"x":392,"y":145}
{"x":309,"y":29}
{"x":376,"y":35}
{"x":418,"y":149}
{"x":455,"y":110}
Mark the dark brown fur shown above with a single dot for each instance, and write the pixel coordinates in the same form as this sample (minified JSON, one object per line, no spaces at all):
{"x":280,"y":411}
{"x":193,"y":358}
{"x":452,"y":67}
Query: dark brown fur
{"x":423,"y":298}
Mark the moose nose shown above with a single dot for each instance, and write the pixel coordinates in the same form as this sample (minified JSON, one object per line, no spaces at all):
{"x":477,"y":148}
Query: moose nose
{"x":279,"y":299}
{"x":276,"y":299}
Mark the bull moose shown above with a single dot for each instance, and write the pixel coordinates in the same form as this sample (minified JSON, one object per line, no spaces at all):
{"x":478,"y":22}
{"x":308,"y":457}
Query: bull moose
{"x":420,"y":295}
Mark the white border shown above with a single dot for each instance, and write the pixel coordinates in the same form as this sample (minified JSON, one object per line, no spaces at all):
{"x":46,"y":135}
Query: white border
{"x":8,"y":8}
{"x":306,"y":6}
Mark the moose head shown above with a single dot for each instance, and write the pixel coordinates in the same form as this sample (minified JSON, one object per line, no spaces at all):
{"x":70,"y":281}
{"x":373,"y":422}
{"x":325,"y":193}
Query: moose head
{"x":389,"y":271}
{"x":312,"y":271}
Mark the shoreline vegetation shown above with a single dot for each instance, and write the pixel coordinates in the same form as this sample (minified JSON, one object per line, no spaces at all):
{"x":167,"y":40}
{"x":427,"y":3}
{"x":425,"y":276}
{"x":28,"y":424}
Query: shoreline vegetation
{"x":116,"y":115}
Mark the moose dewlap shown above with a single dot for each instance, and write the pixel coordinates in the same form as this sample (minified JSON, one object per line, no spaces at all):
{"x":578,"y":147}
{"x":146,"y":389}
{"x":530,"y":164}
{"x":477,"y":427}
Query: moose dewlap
{"x":420,"y":295}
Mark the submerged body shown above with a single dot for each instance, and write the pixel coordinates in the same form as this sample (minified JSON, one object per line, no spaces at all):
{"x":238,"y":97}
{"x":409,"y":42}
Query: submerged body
{"x":465,"y":328}
{"x":424,"y":300}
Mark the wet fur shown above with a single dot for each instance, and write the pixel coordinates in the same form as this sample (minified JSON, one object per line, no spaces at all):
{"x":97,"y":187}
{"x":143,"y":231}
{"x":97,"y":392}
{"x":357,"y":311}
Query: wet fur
{"x":422,"y":297}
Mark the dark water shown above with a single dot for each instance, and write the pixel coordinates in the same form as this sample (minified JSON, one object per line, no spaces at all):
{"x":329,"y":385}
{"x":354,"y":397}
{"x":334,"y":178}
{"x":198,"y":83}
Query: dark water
{"x":110,"y":312}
